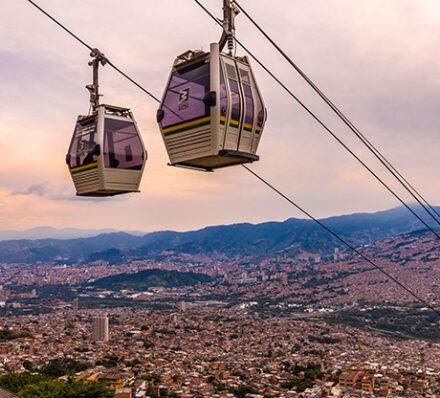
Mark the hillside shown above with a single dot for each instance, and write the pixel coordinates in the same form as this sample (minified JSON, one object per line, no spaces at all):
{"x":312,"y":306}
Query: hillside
{"x":242,"y":240}
{"x":150,"y":278}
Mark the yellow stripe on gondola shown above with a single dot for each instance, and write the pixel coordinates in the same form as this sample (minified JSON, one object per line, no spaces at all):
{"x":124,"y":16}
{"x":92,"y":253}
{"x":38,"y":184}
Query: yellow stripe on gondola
{"x":233,"y":123}
{"x":247,"y":127}
{"x":187,"y":125}
{"x":84,"y":168}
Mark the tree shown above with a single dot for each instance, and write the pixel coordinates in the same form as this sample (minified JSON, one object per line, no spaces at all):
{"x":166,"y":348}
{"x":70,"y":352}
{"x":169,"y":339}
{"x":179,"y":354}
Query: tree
{"x":16,"y":381}
{"x":69,"y":389}
{"x":109,"y":361}
{"x":28,"y":385}
{"x":242,"y":391}
{"x":28,"y":365}
{"x":60,"y":367}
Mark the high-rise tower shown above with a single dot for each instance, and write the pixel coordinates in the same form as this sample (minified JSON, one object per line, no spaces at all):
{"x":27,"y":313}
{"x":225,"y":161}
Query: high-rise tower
{"x":100,"y":328}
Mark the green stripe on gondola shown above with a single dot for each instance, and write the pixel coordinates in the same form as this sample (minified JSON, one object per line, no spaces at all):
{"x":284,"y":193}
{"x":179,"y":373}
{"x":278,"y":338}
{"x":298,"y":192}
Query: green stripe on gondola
{"x":84,"y":168}
{"x":233,"y":123}
{"x":187,"y":126}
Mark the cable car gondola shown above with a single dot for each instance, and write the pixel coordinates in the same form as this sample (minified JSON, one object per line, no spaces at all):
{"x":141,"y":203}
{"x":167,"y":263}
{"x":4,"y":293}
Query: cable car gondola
{"x":106,"y":156}
{"x":212,"y":114}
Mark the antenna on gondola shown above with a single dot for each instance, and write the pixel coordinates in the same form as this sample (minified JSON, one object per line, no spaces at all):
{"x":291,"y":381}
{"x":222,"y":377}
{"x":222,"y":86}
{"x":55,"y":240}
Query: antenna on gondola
{"x":98,"y":58}
{"x":230,"y":11}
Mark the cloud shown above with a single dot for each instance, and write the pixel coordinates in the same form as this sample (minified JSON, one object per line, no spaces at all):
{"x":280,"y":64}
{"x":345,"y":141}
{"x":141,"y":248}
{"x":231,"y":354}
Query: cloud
{"x":38,"y":189}
{"x":45,"y":191}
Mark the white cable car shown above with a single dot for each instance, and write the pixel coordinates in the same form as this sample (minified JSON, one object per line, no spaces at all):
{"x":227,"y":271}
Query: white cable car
{"x":106,"y":156}
{"x":212,"y":114}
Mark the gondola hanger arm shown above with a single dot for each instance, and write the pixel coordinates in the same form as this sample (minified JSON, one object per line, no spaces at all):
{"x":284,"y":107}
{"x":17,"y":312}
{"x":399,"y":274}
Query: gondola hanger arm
{"x":230,"y":11}
{"x":98,"y":58}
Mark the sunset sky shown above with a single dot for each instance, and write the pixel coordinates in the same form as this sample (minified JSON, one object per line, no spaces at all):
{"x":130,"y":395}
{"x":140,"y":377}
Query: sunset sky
{"x":378,"y":60}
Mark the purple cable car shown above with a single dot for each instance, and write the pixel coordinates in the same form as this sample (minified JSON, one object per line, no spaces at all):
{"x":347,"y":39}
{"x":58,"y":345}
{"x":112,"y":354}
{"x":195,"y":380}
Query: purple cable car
{"x":106,"y":156}
{"x":212,"y":114}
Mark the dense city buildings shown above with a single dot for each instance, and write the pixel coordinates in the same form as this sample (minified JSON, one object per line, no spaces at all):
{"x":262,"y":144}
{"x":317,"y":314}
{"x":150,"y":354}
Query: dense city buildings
{"x":301,"y":325}
{"x":213,"y":351}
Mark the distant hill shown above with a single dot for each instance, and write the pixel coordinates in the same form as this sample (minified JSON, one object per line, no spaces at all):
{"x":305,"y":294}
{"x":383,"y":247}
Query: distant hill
{"x":150,"y":278}
{"x":240,"y":240}
{"x":55,"y":233}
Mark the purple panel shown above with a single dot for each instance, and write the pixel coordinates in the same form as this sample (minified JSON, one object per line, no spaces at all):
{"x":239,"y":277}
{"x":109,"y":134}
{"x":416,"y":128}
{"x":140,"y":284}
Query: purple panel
{"x":260,"y":111}
{"x":122,"y":145}
{"x":82,"y":145}
{"x":184,"y":97}
{"x":235,"y":100}
{"x":249,"y":117}
{"x":223,"y":94}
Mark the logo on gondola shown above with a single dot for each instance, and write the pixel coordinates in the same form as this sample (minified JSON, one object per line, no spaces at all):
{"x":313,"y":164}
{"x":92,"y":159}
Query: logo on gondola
{"x":183,"y":99}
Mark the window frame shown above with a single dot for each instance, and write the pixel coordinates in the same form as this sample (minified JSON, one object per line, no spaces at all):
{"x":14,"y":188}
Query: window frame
{"x":199,"y":64}
{"x":83,"y":124}
{"x":123,"y":153}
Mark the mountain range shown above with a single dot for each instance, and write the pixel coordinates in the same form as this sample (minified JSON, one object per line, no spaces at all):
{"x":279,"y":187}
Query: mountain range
{"x":56,"y":233}
{"x":227,"y":241}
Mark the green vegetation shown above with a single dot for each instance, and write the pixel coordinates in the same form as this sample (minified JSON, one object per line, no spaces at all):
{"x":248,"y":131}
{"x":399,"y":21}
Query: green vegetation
{"x":304,"y":377}
{"x":133,"y":363}
{"x":163,"y":331}
{"x":64,"y":366}
{"x":323,"y":339}
{"x":15,"y":382}
{"x":242,"y":391}
{"x":335,"y":377}
{"x":154,"y":377}
{"x":148,"y":344}
{"x":109,"y":361}
{"x":6,"y":335}
{"x":315,"y":282}
{"x":27,"y":385}
{"x":400,"y":323}
{"x":217,"y":386}
{"x":28,"y":365}
{"x":296,"y":348}
{"x":143,"y":280}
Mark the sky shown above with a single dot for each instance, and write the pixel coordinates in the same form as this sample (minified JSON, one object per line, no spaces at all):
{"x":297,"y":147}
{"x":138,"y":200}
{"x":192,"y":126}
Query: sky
{"x":378,"y":60}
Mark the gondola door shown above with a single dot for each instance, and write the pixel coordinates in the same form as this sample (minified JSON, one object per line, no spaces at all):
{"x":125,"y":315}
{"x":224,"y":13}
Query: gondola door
{"x":84,"y":155}
{"x":233,"y":123}
{"x":248,"y":126}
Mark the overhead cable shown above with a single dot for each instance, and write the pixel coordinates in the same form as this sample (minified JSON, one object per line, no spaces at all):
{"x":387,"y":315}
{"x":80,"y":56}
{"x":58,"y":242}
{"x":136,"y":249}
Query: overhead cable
{"x":342,"y":240}
{"x":91,"y":49}
{"x":322,"y":124}
{"x":385,"y":162}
